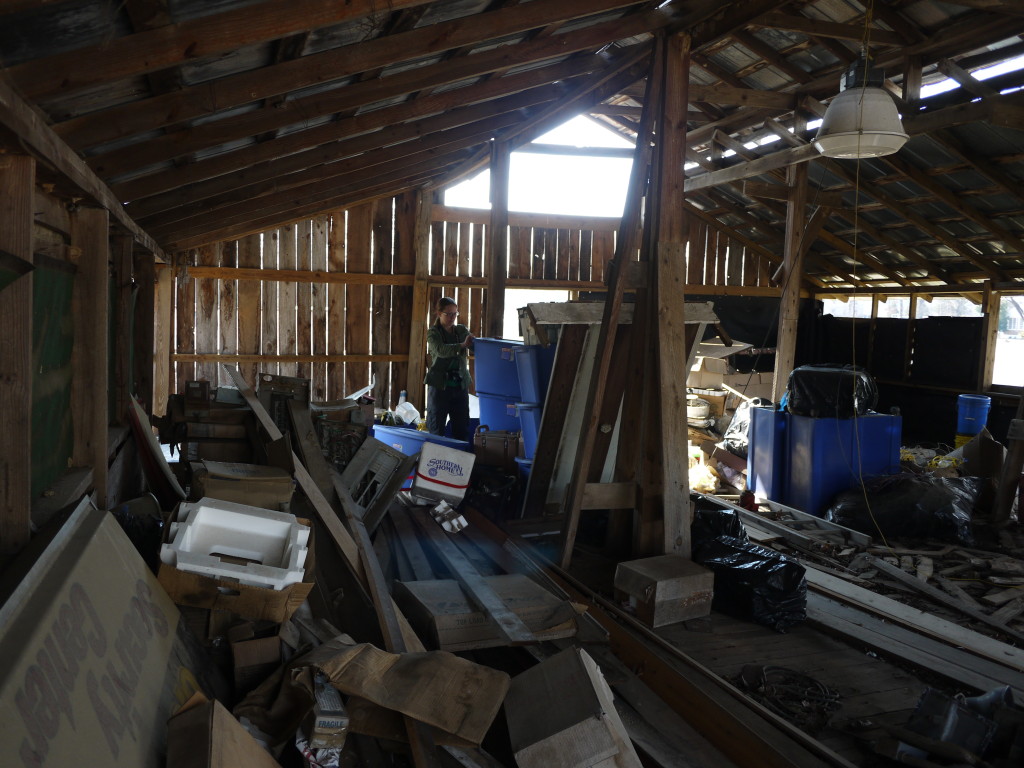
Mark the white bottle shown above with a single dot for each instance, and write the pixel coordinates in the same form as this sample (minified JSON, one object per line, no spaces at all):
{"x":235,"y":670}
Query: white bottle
{"x":401,"y":397}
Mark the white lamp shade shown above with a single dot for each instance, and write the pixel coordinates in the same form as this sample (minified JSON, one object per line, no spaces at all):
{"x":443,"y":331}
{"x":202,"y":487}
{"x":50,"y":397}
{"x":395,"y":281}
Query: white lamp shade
{"x":861,"y":122}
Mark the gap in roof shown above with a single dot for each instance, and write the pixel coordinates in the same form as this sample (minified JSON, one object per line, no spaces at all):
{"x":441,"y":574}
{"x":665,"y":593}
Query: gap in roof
{"x":558,"y":184}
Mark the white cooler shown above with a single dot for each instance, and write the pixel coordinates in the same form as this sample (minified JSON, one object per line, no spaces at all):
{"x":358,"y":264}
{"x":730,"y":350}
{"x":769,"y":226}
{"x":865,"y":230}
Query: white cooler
{"x":442,"y":473}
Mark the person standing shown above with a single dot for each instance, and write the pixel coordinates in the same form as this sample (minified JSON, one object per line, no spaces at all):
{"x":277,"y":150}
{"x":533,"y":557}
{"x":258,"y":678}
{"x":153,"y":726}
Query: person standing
{"x":448,"y":379}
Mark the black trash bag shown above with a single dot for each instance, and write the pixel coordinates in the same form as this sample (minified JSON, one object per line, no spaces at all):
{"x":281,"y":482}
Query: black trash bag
{"x":712,"y":523}
{"x":831,"y":391}
{"x":911,"y":506}
{"x":754,"y":582}
{"x":737,"y":437}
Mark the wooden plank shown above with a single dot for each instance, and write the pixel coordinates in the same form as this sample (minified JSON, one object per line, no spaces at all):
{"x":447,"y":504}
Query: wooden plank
{"x":304,"y":297}
{"x":528,"y":220}
{"x":920,"y":621}
{"x":346,"y":544}
{"x":574,"y":254}
{"x":17,"y":184}
{"x":420,"y":308}
{"x":821,"y":28}
{"x":562,"y":265}
{"x":465,"y":270}
{"x":269,"y":331}
{"x":380,"y":299}
{"x":121,"y":258}
{"x":301,"y":359}
{"x":318,"y":304}
{"x":745,"y":170}
{"x":248,"y":311}
{"x":287,"y":298}
{"x":228,"y":304}
{"x":300,"y":276}
{"x":206,"y":312}
{"x":476,"y":295}
{"x":408,"y":541}
{"x":600,"y":254}
{"x":497,"y":261}
{"x":357,"y":313}
{"x":336,"y":320}
{"x":506,"y":621}
{"x":160,"y":361}
{"x":789,"y":313}
{"x":401,"y":297}
{"x":89,"y":309}
{"x":142,"y":268}
{"x":550,"y":254}
{"x":608,"y":496}
{"x":184,"y":321}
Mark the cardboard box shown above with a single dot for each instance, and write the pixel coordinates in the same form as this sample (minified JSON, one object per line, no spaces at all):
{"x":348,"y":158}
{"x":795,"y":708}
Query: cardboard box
{"x":329,"y":726}
{"x":666,"y":589}
{"x":254,"y":661}
{"x":440,"y":611}
{"x":707,"y":373}
{"x":252,"y":484}
{"x":206,"y":735}
{"x":442,"y":473}
{"x":94,"y":656}
{"x":561,"y":712}
{"x":200,"y":591}
{"x":751,"y":384}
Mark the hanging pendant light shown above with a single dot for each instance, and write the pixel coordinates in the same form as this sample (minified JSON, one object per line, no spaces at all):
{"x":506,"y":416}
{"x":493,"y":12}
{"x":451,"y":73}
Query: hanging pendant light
{"x":862,"y":121}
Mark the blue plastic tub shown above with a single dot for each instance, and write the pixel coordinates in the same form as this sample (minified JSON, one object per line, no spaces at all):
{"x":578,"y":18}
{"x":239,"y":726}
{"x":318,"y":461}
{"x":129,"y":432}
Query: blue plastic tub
{"x":495,"y":368}
{"x":971,"y":413}
{"x":533,"y":366}
{"x":529,"y":418}
{"x":409,"y":440}
{"x":766,"y":453}
{"x":499,"y":413}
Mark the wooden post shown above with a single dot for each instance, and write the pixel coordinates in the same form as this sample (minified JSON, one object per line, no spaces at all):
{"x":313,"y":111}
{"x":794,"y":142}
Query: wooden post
{"x":90,"y":310}
{"x":122,"y":351}
{"x":249,"y":308}
{"x":420,"y":311}
{"x":145,"y":279}
{"x":162,"y":328}
{"x":336,"y":314}
{"x":668,"y":269}
{"x":17,"y":183}
{"x":497,"y":264}
{"x":990,"y":305}
{"x":789,"y":314}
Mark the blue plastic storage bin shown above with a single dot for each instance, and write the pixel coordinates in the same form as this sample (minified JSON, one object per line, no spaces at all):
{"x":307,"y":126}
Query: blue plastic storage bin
{"x":499,"y":413}
{"x":495,"y":368}
{"x":525,"y":466}
{"x":409,"y":440}
{"x":766,"y":457}
{"x":533,"y":367}
{"x":529,"y":418}
{"x":828,"y":456}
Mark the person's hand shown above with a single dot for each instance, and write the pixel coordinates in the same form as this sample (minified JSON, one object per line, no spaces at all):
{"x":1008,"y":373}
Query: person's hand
{"x":468,"y":341}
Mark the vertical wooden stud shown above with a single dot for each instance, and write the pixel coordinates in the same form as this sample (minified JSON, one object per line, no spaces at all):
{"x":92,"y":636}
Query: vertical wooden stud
{"x":304,"y":298}
{"x":497,"y":264}
{"x":789,"y":314}
{"x":228,"y":306}
{"x":121,"y":253}
{"x":318,"y":297}
{"x":163,"y":330}
{"x":357,"y":315}
{"x":990,"y":306}
{"x":287,"y":298}
{"x":17,"y":182}
{"x":249,"y":256}
{"x":206,"y":312}
{"x":269,"y":332}
{"x":184,"y":318}
{"x":380,"y":298}
{"x":420,"y":311}
{"x":144,"y":267}
{"x":402,"y":301}
{"x":336,"y":317}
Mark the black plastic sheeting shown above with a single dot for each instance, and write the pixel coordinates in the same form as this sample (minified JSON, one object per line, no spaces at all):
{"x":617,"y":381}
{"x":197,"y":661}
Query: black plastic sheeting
{"x":911,"y":506}
{"x":737,"y":437}
{"x":832,"y":391}
{"x":751,"y":582}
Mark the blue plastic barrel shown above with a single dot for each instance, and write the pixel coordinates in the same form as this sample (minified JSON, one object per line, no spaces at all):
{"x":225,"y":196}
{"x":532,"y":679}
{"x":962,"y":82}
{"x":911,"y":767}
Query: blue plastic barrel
{"x":972,"y":413}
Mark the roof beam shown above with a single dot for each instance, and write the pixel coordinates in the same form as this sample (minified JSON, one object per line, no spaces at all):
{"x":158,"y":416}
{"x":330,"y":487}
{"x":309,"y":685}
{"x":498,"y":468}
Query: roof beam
{"x":505,"y":94}
{"x":34,"y":135}
{"x":357,"y":94}
{"x":820,"y":28}
{"x":743,"y":97}
{"x":316,"y":69}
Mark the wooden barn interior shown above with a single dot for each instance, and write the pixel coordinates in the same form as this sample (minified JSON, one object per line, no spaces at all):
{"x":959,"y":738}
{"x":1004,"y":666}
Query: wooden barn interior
{"x":220,"y":219}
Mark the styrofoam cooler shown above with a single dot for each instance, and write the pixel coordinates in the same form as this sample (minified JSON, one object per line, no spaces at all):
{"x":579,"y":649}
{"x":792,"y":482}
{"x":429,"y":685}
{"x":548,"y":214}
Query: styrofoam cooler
{"x":442,"y":473}
{"x":529,"y":418}
{"x":495,"y":369}
{"x":499,"y":412}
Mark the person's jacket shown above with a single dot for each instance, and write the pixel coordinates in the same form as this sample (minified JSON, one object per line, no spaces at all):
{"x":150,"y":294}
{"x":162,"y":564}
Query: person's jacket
{"x":449,"y":362}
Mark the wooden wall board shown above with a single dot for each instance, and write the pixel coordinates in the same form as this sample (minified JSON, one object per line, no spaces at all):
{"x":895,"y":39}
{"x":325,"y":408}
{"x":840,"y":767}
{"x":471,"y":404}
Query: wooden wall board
{"x":163,"y":330}
{"x":357,"y":311}
{"x":228,"y":306}
{"x":465,"y":230}
{"x":451,"y":257}
{"x":249,"y":308}
{"x":562,"y":265}
{"x":380,"y":299}
{"x":336,"y":318}
{"x":749,"y":267}
{"x":603,"y":249}
{"x":586,"y":254}
{"x":89,"y":309}
{"x":318,"y":301}
{"x":206,"y":311}
{"x":476,"y":295}
{"x":550,"y":254}
{"x":184,"y":320}
{"x":143,"y":266}
{"x":287,"y":297}
{"x":401,"y":296}
{"x":574,"y":255}
{"x":523,"y":238}
{"x":17,"y":187}
{"x":269,"y":331}
{"x":304,"y":297}
{"x":121,"y":381}
{"x":695,"y":253}
{"x":734,"y":266}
